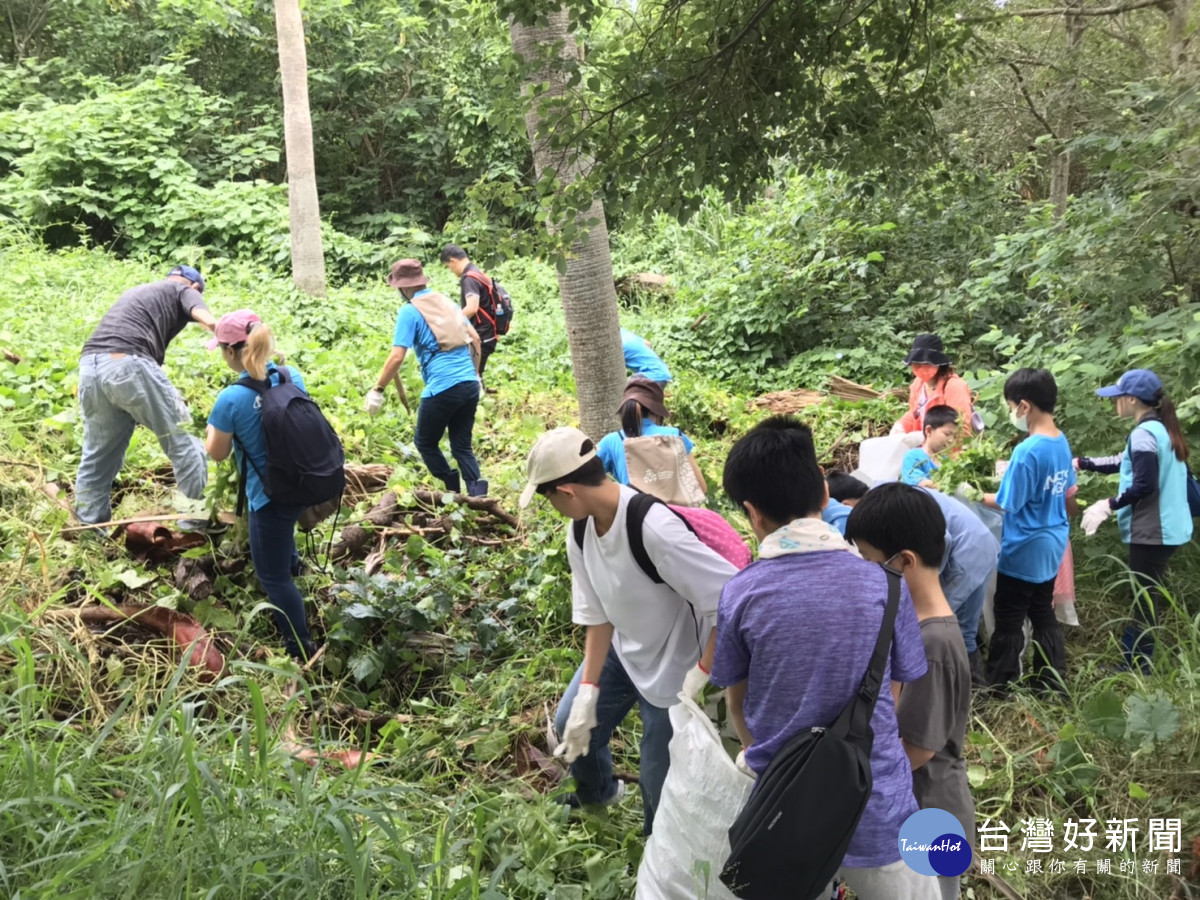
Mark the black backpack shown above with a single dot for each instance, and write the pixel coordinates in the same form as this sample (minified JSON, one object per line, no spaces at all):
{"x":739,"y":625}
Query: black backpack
{"x":501,"y":312}
{"x":790,"y":838}
{"x":635,"y":516}
{"x":306,"y":465}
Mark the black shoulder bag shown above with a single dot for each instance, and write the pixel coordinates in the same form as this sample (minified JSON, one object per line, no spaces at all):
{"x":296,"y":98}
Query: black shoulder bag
{"x":791,"y":837}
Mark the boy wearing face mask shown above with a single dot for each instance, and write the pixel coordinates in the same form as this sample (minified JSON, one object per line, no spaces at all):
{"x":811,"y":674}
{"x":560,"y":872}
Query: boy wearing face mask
{"x":1033,"y":496}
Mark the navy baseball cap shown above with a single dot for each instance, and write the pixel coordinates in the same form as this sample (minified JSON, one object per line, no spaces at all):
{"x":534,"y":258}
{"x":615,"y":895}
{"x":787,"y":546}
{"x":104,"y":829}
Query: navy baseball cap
{"x":1140,"y":383}
{"x":191,"y":274}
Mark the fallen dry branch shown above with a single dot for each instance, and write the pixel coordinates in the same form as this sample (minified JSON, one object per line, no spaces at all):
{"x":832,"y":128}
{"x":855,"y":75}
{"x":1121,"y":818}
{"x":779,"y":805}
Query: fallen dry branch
{"x":362,"y":481}
{"x":487,"y":504}
{"x":845,"y":389}
{"x":183,"y":631}
{"x":427,"y":517}
{"x":642,"y":282}
{"x":12,"y":357}
{"x":787,"y":402}
{"x":358,"y":716}
{"x":351,"y":759}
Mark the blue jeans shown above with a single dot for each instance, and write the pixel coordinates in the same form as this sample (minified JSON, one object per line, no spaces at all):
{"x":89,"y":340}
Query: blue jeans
{"x":273,"y":550}
{"x":116,"y":395}
{"x":593,"y":773}
{"x":968,"y":608}
{"x":452,"y":410}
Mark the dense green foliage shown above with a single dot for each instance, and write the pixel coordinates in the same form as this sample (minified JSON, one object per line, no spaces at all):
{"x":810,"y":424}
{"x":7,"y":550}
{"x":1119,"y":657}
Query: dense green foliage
{"x":123,"y":746}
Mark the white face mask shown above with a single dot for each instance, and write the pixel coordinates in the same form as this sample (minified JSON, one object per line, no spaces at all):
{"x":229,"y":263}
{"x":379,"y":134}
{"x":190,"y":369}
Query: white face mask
{"x":1021,"y":423}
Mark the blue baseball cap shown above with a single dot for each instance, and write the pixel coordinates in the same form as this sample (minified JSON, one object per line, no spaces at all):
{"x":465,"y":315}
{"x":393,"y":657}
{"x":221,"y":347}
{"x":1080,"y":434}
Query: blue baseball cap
{"x":1140,"y":383}
{"x":191,"y":274}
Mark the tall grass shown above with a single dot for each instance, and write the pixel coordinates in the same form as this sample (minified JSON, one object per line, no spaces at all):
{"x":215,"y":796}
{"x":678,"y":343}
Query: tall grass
{"x":1122,"y":745}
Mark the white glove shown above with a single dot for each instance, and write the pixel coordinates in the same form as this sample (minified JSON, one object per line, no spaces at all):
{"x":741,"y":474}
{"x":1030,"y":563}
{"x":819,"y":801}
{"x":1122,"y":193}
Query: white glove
{"x":969,"y":492}
{"x":1094,"y":516}
{"x":580,"y":722}
{"x":897,"y":430}
{"x":694,"y":682}
{"x":374,"y":401}
{"x":740,"y":762}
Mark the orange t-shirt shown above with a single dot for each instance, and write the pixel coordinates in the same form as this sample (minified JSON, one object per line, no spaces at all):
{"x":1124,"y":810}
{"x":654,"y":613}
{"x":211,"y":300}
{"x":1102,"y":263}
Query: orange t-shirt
{"x":951,"y":391}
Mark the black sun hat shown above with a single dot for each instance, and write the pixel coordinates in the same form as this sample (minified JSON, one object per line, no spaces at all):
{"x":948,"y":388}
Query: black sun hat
{"x":927,"y":349}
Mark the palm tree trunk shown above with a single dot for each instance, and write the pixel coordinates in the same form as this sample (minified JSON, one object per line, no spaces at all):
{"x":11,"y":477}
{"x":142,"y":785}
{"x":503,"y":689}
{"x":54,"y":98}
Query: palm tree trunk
{"x":589,"y":297}
{"x":308,"y":256}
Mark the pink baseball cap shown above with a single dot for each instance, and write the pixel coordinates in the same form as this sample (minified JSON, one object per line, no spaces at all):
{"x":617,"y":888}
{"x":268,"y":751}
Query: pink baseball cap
{"x":234,"y":327}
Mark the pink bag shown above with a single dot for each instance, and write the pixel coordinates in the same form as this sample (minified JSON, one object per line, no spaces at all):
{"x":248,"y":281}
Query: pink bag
{"x":714,"y":532}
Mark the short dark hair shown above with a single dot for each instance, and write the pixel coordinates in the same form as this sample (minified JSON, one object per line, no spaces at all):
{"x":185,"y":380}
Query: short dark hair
{"x":590,"y":474}
{"x":894,"y":517}
{"x":937,"y":416}
{"x":1035,"y":386}
{"x":453,"y":251}
{"x":774,"y":466}
{"x":844,"y":486}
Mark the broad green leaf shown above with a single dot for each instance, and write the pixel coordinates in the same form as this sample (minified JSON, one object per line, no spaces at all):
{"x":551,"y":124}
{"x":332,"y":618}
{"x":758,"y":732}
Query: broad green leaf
{"x":1152,"y":719}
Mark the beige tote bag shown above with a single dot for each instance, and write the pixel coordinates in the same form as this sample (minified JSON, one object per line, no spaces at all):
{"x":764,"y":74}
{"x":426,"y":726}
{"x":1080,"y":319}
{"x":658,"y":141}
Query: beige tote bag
{"x":659,"y":465}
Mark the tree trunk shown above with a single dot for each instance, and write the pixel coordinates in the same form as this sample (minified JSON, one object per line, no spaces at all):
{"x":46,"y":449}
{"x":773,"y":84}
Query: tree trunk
{"x":589,"y":297}
{"x":308,"y":256}
{"x":1060,"y":165}
{"x":1177,"y":33}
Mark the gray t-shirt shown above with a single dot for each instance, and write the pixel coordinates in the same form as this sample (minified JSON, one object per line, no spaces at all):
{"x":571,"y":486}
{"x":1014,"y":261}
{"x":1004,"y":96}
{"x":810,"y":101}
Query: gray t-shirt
{"x":145,"y":319}
{"x":933,"y":713}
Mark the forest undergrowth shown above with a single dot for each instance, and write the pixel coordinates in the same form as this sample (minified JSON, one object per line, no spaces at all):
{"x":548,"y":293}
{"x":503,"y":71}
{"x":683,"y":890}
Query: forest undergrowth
{"x":411,"y":760}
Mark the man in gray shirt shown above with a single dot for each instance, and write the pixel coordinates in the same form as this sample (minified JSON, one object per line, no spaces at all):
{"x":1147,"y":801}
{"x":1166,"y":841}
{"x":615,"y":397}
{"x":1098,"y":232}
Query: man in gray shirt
{"x":122,"y":385}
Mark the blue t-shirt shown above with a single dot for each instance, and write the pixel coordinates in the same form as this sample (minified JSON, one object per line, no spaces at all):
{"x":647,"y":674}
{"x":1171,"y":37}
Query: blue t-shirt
{"x":641,"y":360}
{"x":1033,"y":495}
{"x":611,"y":448}
{"x":237,"y":412}
{"x":800,"y":629}
{"x":836,"y":513}
{"x":441,"y":370}
{"x":917,"y":466}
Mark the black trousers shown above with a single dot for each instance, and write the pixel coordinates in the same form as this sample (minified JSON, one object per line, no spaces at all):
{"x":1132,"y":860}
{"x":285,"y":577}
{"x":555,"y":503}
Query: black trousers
{"x":1017,"y":600}
{"x":452,"y":410}
{"x":1148,"y":562}
{"x":486,"y":349}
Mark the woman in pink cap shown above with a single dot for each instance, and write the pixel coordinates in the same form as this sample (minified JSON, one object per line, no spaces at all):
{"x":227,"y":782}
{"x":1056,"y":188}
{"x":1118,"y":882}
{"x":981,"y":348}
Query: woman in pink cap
{"x":235,"y":424}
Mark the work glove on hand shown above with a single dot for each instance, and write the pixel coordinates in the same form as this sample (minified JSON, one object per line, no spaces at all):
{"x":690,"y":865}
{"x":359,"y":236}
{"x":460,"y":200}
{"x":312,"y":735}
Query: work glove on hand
{"x":694,"y":682}
{"x":374,"y":401}
{"x":740,"y":762}
{"x":580,"y":722}
{"x":1094,"y":516}
{"x":968,"y":492}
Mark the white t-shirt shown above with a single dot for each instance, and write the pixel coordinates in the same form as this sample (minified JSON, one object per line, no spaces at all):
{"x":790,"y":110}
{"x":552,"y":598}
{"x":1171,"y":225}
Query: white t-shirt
{"x":658,"y":636}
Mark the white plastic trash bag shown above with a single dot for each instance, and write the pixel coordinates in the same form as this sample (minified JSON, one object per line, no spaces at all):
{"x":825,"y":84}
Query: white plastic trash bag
{"x":703,"y":794}
{"x":879,"y":459}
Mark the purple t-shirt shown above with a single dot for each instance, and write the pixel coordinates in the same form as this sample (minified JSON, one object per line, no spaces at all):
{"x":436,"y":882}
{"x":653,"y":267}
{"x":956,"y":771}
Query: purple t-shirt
{"x":801,"y":628}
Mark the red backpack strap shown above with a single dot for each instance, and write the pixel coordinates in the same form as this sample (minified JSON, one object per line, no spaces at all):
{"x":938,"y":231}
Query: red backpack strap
{"x":481,"y":276}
